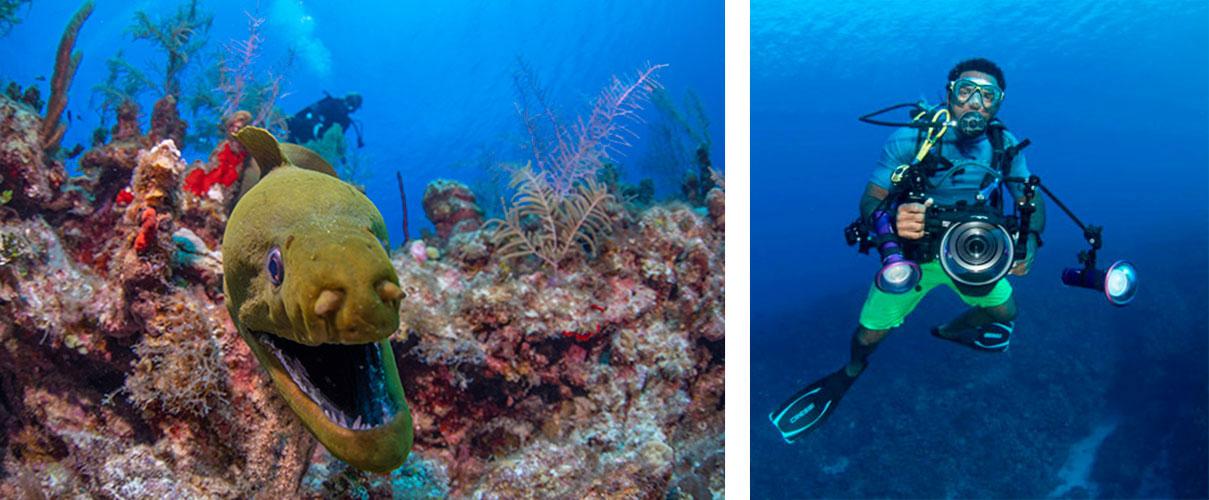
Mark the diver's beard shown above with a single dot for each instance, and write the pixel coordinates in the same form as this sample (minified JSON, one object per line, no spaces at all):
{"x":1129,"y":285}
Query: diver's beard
{"x":971,"y":124}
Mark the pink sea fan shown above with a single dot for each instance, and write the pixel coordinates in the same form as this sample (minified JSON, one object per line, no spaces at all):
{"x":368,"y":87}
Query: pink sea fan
{"x":237,"y":69}
{"x":579,"y":152}
{"x":238,"y":84}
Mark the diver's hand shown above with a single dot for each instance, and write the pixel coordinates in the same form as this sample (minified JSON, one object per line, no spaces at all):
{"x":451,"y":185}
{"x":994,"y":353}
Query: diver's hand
{"x":910,"y":221}
{"x":1021,"y":268}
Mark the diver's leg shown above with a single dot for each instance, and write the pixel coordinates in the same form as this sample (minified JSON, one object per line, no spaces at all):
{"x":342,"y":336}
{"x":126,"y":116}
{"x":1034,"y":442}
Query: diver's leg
{"x":987,"y":325}
{"x":978,"y":316}
{"x":813,"y":404}
{"x":864,"y":342}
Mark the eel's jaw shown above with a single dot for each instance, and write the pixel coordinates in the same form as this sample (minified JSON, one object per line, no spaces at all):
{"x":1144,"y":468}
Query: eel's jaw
{"x":380,"y":440}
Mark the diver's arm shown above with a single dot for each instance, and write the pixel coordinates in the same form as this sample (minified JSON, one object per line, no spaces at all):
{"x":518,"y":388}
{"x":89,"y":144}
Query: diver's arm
{"x":908,"y":217}
{"x":872,"y":197}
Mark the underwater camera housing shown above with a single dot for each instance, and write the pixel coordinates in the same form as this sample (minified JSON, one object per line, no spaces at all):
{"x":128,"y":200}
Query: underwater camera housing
{"x":975,"y":244}
{"x":975,"y":247}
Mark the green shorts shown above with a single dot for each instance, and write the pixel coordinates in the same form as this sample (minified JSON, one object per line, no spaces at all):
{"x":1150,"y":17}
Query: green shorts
{"x":883,"y":311}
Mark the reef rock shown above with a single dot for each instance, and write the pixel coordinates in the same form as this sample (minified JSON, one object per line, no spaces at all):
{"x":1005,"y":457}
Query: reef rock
{"x":451,"y":207}
{"x":166,"y":122}
{"x":716,"y":201}
{"x":25,"y":173}
{"x":603,"y":379}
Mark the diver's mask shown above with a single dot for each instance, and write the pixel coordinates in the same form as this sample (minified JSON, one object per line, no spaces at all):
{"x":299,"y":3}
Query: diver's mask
{"x":964,"y":89}
{"x":989,"y":96}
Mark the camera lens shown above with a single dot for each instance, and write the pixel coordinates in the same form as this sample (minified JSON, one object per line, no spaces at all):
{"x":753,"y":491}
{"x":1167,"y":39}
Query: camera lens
{"x":976,"y":246}
{"x":976,"y":252}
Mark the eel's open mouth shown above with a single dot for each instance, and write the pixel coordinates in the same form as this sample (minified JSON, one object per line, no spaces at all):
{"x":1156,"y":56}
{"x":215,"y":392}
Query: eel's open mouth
{"x":348,"y":382}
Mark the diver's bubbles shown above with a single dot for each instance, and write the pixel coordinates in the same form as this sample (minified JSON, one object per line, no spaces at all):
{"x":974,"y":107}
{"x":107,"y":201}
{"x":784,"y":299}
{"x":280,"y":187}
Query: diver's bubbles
{"x":296,"y":25}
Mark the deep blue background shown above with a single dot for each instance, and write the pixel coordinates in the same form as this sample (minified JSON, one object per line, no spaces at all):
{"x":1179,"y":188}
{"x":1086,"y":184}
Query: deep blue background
{"x":1114,"y":97}
{"x":436,"y":77}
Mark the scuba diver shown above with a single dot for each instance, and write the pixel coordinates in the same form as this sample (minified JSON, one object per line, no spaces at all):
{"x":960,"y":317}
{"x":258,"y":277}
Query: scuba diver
{"x":313,"y":121}
{"x":928,"y":182}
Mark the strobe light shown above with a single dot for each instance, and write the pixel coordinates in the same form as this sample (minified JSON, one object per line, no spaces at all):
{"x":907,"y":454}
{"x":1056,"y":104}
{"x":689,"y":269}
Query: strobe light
{"x":898,"y":274}
{"x":1119,"y":283}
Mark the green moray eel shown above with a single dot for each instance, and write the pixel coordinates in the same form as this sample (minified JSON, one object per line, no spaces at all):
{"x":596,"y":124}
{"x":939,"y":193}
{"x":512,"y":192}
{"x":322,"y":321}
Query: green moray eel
{"x":310,"y":286}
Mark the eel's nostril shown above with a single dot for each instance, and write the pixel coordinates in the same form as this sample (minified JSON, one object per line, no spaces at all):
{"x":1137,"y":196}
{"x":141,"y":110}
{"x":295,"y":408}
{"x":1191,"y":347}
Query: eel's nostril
{"x":328,"y":303}
{"x":388,"y":291}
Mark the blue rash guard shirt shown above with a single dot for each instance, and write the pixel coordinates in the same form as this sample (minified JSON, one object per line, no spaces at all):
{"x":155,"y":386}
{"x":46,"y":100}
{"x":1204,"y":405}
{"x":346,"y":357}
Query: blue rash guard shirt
{"x":971,"y":163}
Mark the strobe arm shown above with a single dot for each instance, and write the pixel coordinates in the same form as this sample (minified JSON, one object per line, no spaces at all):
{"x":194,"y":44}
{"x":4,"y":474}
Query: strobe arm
{"x":1091,"y":233}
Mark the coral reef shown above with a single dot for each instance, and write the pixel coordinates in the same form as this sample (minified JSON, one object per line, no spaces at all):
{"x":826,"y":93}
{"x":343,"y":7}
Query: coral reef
{"x":121,"y":376}
{"x":605,"y":378}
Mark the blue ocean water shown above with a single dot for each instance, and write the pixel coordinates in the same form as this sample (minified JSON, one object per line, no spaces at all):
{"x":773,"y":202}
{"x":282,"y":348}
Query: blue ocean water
{"x":1091,"y":400}
{"x":436,"y":77}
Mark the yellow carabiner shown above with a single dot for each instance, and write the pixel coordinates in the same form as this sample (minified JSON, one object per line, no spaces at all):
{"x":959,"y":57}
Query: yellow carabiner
{"x":899,"y":173}
{"x":941,"y":116}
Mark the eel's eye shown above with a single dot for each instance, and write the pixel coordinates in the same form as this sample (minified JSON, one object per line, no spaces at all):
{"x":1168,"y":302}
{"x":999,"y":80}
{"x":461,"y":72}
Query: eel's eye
{"x":275,"y":267}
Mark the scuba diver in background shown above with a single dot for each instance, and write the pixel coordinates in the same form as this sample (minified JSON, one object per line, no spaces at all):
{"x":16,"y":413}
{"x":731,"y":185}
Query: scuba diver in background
{"x":313,"y":121}
{"x":958,"y":174}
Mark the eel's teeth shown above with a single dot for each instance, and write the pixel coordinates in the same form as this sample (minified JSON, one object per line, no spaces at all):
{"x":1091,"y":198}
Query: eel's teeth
{"x":357,"y":423}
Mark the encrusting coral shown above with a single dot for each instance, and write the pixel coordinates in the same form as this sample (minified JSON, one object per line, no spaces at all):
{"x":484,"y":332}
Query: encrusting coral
{"x":451,"y":207}
{"x":30,"y":188}
{"x":579,"y":381}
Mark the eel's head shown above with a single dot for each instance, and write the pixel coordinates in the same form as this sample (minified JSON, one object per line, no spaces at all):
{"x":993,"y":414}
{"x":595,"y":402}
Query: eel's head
{"x":316,"y":298}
